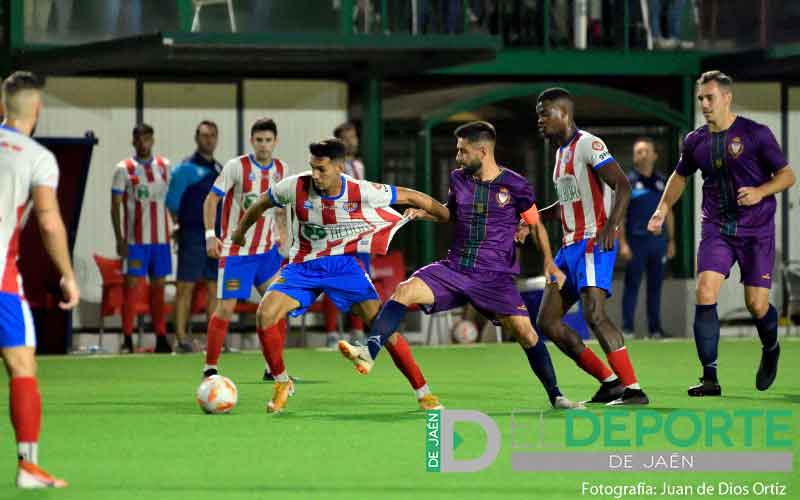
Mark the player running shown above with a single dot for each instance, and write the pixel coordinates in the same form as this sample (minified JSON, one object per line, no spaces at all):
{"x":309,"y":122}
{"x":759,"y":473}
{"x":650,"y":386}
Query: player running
{"x":256,"y":258}
{"x":486,"y":202}
{"x":743,"y":168}
{"x":584,"y":172}
{"x":28,"y":173}
{"x":332,"y":217}
{"x":139,"y":188}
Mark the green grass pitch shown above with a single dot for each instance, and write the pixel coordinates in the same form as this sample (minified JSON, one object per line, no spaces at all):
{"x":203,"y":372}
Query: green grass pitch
{"x":129,"y":427}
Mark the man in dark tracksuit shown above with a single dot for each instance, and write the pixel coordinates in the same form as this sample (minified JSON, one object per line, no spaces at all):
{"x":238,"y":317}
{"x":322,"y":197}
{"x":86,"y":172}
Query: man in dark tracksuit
{"x":189,"y":185}
{"x":642,"y":250}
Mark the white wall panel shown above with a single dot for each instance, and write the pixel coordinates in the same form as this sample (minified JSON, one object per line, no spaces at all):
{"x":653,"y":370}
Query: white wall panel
{"x":304,"y":111}
{"x":105,"y":106}
{"x":793,"y":150}
{"x":175,"y":109}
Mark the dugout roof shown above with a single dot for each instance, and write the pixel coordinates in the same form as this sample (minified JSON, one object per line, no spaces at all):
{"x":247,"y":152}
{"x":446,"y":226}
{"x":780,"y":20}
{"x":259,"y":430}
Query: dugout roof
{"x":261,"y":55}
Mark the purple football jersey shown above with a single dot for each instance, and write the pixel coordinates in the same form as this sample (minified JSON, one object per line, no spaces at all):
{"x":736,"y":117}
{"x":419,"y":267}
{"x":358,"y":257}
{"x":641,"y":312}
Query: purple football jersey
{"x":487,"y":215}
{"x":746,"y":154}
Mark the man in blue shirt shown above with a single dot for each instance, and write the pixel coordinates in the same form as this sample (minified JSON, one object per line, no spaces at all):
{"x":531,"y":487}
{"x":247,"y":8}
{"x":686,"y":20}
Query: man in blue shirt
{"x":643,"y":250}
{"x":189,"y":185}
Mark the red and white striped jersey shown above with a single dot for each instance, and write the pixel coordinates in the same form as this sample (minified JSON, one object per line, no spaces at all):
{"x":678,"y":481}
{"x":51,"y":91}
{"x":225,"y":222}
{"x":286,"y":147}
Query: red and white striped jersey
{"x":241,"y":183}
{"x":24,"y":164}
{"x":585,"y":199}
{"x":143,"y":187}
{"x":358,"y":220}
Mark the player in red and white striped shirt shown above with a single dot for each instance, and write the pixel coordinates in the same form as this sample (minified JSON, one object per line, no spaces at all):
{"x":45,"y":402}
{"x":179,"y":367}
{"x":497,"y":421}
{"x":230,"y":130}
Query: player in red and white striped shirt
{"x":139,"y":188}
{"x":28,"y":178}
{"x":353,"y":167}
{"x":331,"y":218}
{"x":241,"y":267}
{"x":590,"y":217}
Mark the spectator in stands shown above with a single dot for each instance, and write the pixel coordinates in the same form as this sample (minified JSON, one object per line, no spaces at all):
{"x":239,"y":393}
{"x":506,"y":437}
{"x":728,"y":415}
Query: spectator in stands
{"x":189,"y":185}
{"x":669,"y":39}
{"x":38,"y":14}
{"x":448,"y":12}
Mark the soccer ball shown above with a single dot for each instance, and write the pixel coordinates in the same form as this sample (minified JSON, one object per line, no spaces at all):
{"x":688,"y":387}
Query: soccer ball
{"x":217,"y":394}
{"x":465,"y":332}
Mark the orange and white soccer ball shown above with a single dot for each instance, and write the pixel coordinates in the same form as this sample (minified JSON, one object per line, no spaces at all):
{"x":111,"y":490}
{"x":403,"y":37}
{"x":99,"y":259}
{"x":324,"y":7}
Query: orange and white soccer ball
{"x":217,"y":394}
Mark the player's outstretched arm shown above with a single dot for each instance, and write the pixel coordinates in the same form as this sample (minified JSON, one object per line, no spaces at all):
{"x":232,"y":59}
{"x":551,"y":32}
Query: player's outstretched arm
{"x":54,"y":236}
{"x":672,"y":193}
{"x":436,"y":212}
{"x":213,"y":244}
{"x":612,"y":174}
{"x":250,"y":217}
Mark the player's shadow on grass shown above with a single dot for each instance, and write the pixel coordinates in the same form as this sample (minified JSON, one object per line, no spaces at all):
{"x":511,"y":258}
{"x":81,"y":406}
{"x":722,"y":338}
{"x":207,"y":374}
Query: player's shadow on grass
{"x":132,"y":406}
{"x":367,"y":417}
{"x":297,"y":382}
{"x":792,"y":398}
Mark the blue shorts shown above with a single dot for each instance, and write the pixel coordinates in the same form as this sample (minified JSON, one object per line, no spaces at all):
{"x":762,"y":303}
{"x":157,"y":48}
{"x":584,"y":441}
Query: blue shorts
{"x":238,"y":274}
{"x":341,"y":277}
{"x":16,"y":322}
{"x":193,"y":262}
{"x":154,"y":260}
{"x":586,"y":266}
{"x":366,"y":260}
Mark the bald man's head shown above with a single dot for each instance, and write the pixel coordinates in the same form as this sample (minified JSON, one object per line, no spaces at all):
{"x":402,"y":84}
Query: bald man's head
{"x":22,"y":96}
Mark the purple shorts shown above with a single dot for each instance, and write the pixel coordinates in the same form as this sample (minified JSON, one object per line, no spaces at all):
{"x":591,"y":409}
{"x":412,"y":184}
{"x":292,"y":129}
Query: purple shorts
{"x":755,"y":255}
{"x":493,"y":294}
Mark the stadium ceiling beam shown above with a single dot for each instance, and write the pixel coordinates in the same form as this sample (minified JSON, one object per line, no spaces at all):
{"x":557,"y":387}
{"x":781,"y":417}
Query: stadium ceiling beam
{"x":777,"y":63}
{"x":261,"y":55}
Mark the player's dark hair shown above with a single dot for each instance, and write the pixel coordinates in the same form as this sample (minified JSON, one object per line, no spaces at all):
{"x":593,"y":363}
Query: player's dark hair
{"x":263,"y":125}
{"x":645,"y":139}
{"x":332,"y":148}
{"x":207,"y":123}
{"x":723,"y":80}
{"x":553,"y":94}
{"x":142,"y":129}
{"x":21,"y":80}
{"x":339,"y":131}
{"x":476,"y":132}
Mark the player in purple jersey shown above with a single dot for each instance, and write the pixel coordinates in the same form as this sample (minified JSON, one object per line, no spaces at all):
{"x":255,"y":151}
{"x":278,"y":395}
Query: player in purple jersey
{"x":743,"y":167}
{"x":486,"y":202}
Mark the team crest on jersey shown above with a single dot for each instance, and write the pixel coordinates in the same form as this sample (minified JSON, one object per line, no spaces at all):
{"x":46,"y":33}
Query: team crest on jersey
{"x":639,"y":185}
{"x":142,"y":192}
{"x":597,"y":146}
{"x":350,"y":206}
{"x":308,"y":205}
{"x":736,"y":147}
{"x":660,"y":185}
{"x":232,"y":285}
{"x":566,"y":156}
{"x":503,"y":197}
{"x":252,"y":177}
